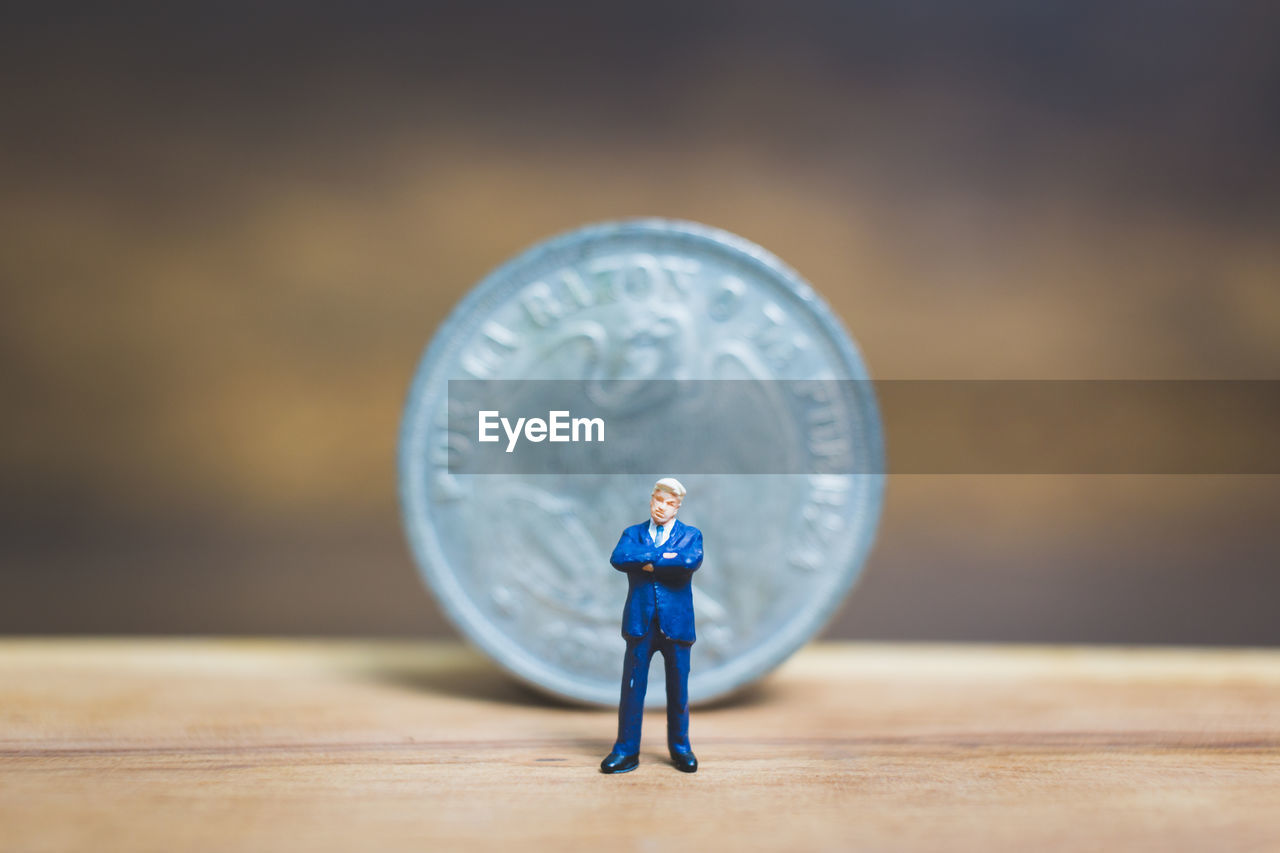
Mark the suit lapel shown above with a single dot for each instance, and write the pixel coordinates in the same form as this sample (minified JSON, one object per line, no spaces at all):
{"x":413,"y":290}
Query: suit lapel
{"x":676,"y":530}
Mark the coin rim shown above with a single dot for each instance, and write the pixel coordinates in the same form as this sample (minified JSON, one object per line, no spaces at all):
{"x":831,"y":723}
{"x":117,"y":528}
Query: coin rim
{"x":413,"y":454}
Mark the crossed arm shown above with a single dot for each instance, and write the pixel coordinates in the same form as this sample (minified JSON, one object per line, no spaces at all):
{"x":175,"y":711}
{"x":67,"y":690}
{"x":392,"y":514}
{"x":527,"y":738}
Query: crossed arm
{"x":635,"y":553}
{"x":680,"y":566}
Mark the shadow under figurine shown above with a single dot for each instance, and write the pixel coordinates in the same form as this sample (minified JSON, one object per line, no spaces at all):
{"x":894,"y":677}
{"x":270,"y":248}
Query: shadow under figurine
{"x":659,"y":556}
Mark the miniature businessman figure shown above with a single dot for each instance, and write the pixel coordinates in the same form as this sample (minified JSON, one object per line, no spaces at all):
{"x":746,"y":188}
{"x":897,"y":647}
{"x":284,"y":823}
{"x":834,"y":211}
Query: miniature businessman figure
{"x":659,"y":556}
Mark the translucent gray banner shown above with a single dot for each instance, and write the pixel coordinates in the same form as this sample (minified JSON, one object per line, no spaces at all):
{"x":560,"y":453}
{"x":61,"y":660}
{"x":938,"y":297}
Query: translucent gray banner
{"x":833,"y":427}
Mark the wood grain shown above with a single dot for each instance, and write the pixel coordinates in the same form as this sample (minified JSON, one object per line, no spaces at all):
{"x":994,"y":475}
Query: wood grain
{"x":227,"y":745}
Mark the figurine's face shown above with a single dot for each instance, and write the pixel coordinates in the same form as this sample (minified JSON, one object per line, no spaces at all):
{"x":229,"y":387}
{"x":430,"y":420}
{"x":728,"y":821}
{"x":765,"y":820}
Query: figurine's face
{"x":663,"y":507}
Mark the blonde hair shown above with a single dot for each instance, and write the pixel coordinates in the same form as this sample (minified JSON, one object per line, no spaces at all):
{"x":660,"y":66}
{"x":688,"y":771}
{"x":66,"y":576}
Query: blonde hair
{"x":672,"y":485}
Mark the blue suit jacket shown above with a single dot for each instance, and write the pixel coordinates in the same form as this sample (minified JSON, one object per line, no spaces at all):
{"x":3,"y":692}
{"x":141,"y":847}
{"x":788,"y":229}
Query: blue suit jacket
{"x":665,"y":591}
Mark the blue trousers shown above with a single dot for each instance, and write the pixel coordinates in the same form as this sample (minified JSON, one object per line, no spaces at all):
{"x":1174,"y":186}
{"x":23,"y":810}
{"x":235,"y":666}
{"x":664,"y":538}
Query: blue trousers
{"x":635,"y":680}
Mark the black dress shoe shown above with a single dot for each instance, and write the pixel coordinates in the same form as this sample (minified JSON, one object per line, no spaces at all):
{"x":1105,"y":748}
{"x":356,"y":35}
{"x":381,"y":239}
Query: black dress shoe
{"x":685,"y":762}
{"x":616,"y":762}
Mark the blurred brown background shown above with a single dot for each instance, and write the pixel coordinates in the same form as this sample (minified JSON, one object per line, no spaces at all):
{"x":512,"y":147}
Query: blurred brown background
{"x":230,"y":229}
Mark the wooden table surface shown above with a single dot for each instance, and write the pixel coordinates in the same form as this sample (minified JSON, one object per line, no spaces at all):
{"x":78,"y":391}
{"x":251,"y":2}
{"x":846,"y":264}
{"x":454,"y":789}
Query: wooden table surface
{"x":227,"y":745}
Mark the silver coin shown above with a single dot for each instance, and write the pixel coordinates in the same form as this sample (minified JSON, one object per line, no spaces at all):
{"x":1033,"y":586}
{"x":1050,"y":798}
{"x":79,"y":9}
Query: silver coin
{"x":520,"y":564}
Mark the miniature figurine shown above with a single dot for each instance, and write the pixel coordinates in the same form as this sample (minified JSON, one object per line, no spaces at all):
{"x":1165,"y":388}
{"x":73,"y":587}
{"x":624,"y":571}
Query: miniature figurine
{"x":659,"y":556}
